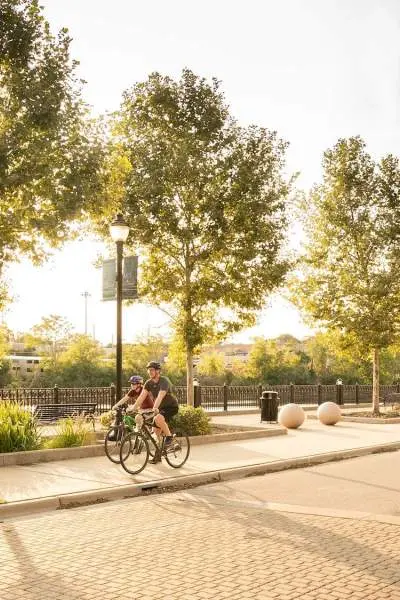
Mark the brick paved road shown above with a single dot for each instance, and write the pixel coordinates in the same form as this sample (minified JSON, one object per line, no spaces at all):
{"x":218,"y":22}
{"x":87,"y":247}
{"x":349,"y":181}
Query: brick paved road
{"x":122,"y":550}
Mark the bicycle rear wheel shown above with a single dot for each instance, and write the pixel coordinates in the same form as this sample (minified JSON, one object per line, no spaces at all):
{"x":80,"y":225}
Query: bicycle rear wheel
{"x":178,"y":453}
{"x":112,"y":443}
{"x":134,"y":453}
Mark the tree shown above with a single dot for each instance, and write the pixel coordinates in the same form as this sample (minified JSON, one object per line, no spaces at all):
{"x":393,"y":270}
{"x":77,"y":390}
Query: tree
{"x":137,"y":355}
{"x":53,"y":331}
{"x":5,"y":364}
{"x":176,"y":360}
{"x":350,"y":276}
{"x":80,"y":364}
{"x":211,"y":364}
{"x":82,"y":349}
{"x":206,"y":202}
{"x":260,"y":360}
{"x":50,"y":153}
{"x":278,"y":361}
{"x":335,"y":356}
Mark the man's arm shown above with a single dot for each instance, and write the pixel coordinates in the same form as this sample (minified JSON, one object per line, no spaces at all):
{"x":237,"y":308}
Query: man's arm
{"x":161,"y":394}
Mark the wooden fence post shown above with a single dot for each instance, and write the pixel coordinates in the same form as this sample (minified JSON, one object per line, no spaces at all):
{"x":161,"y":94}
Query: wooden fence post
{"x":357,"y":394}
{"x":55,"y":394}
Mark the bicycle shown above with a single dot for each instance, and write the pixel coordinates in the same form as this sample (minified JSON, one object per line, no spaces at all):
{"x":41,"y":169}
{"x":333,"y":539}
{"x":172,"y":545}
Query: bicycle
{"x":137,"y":446}
{"x":115,"y":435}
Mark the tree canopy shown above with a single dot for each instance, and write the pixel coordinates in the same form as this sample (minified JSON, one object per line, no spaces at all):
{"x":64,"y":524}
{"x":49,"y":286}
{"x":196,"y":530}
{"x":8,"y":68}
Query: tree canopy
{"x":350,"y":270}
{"x":50,"y":153}
{"x":205,"y":199}
{"x":54,"y":332}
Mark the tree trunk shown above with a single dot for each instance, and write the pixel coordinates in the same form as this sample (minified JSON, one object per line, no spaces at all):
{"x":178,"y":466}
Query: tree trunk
{"x":189,"y":377}
{"x":375,"y":382}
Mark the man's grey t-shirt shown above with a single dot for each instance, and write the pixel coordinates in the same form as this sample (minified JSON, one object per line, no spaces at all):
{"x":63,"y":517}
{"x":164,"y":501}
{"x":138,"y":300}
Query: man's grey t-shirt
{"x":163,"y":384}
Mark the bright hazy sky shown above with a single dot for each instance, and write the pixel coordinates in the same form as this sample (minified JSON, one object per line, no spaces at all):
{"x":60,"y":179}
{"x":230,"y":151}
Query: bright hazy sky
{"x":313,"y":70}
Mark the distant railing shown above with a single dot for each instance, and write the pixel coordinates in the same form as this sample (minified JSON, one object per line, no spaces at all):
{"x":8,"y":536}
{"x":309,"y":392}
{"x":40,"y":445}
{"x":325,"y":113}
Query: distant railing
{"x":213,"y":398}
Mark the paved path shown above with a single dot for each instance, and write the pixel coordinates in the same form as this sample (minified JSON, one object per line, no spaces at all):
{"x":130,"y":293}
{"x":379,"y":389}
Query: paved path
{"x":215,"y":542}
{"x":78,"y":475}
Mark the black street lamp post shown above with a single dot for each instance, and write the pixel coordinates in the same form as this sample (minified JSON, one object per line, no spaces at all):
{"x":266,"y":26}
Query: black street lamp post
{"x":119,"y":231}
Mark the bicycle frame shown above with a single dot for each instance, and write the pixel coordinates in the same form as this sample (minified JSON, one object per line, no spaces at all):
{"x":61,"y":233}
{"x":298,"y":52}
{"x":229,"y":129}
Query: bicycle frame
{"x":146,"y":430}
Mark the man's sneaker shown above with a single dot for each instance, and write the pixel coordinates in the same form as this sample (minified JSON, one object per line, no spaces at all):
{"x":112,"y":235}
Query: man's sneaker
{"x":171,"y":445}
{"x":168,"y":443}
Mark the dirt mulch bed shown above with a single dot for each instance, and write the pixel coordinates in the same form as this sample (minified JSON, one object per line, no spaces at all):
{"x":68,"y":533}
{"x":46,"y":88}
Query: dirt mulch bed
{"x":392,"y":414}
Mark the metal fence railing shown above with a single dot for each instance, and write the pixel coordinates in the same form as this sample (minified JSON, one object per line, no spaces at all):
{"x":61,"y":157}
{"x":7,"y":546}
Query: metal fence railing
{"x":213,"y":398}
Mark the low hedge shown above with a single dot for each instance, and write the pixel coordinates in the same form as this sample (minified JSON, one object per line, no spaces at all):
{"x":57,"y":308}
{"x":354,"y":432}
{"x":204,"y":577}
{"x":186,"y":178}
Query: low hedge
{"x":191,"y":421}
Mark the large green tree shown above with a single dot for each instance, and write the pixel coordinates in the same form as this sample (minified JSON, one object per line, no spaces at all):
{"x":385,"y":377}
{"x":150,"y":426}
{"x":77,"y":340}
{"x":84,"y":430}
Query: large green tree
{"x":52,"y":333}
{"x":50,"y":153}
{"x":206,"y":202}
{"x":137,"y":355}
{"x":350,"y":279}
{"x":81,"y":364}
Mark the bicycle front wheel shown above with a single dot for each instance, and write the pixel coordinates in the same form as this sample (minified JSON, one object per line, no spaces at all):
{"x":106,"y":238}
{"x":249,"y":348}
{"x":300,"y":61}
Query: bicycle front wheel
{"x":134,"y":453}
{"x":178,"y":453}
{"x":112,"y":443}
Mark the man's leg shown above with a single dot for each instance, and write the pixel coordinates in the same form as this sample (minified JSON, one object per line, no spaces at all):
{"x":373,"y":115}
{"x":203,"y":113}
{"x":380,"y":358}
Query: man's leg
{"x":162,"y":424}
{"x":162,"y":427}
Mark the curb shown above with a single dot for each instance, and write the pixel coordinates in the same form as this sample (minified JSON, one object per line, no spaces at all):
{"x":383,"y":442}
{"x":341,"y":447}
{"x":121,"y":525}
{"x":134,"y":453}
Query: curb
{"x":74,"y":500}
{"x":369,"y":420}
{"x":31,"y":457}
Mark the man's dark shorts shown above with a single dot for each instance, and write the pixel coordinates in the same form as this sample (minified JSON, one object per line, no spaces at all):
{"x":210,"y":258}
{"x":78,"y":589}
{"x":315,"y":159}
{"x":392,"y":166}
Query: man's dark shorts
{"x":169,"y":411}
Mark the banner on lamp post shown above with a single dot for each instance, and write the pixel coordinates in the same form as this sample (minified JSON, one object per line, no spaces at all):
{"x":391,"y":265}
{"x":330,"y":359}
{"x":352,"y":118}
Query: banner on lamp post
{"x":109,"y":279}
{"x":129,"y":278}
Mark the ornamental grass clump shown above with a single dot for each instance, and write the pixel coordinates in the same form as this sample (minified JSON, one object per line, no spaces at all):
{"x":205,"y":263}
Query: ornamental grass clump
{"x":106,"y":419}
{"x":19,"y":429}
{"x":71,"y":432}
{"x":191,"y":421}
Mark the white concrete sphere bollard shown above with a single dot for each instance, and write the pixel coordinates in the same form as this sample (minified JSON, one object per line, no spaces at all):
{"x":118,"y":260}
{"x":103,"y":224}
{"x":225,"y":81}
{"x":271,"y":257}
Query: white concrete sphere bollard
{"x":329,"y":413}
{"x":291,"y":416}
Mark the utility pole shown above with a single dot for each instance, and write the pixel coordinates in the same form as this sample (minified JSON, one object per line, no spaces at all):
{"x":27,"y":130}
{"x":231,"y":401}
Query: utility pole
{"x":86,"y":296}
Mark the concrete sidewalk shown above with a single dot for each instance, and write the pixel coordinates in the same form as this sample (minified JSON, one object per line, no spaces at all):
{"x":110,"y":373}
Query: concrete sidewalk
{"x":93,"y":479}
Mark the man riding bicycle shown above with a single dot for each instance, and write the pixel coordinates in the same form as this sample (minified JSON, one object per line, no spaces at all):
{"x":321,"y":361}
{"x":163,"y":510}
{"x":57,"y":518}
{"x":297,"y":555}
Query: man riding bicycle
{"x":165,"y":405}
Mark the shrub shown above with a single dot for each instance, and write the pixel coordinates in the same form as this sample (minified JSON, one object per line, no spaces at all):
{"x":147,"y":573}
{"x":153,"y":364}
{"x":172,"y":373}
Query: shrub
{"x":19,"y":429}
{"x":106,"y":419}
{"x":191,"y":421}
{"x":71,"y":432}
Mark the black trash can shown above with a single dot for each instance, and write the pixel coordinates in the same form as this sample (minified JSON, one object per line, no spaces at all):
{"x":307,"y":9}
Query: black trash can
{"x":269,"y":406}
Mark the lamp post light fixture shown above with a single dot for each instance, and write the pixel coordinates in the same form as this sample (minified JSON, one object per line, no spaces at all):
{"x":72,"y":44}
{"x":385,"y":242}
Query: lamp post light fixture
{"x":119,"y":231}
